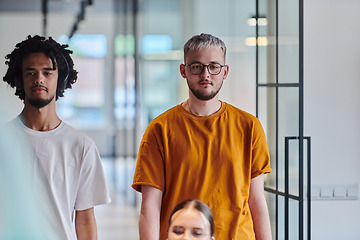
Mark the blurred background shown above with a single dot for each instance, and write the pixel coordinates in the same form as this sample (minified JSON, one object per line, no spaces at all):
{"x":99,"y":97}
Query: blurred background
{"x":293,"y":64}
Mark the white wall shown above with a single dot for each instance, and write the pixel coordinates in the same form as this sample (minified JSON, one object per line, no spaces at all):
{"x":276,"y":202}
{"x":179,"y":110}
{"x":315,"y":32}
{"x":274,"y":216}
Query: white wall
{"x":332,"y":113}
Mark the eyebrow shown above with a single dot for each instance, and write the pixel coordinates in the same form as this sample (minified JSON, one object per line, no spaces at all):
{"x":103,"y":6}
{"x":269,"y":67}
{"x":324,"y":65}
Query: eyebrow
{"x":178,"y":226}
{"x":193,"y":229}
{"x":33,"y":69}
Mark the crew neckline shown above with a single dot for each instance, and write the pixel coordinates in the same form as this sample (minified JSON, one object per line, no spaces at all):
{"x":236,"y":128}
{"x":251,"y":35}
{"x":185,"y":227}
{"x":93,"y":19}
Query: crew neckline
{"x":194,"y":116}
{"x":26,"y":128}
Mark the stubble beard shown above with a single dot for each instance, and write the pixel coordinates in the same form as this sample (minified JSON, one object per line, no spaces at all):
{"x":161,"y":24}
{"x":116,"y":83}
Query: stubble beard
{"x":39,"y":102}
{"x":201,"y":96}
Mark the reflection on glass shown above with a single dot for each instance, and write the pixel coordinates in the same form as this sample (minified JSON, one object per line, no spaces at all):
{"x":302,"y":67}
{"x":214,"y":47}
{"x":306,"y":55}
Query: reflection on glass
{"x":262,"y":21}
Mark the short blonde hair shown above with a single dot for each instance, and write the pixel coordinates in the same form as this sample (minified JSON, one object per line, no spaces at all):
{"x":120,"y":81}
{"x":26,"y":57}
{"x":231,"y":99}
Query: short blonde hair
{"x":202,"y":41}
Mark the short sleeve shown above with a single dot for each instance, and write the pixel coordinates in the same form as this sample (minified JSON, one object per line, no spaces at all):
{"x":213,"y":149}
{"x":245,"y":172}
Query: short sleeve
{"x":260,"y":151}
{"x":92,"y":190}
{"x":149,"y":168}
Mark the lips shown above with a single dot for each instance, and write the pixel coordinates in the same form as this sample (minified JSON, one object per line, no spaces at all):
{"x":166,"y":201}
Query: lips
{"x":39,"y":89}
{"x":205,"y":83}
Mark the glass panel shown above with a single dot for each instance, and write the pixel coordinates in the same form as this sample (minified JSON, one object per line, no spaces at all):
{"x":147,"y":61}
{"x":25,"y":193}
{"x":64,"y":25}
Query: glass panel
{"x":82,"y":106}
{"x":281,"y":220}
{"x":288,"y":41}
{"x":271,"y":202}
{"x":124,"y":100}
{"x":267,"y":43}
{"x":293,"y":219}
{"x":267,"y":116}
{"x":124,"y":90}
{"x":288,"y":123}
{"x":306,"y":218}
{"x":160,"y":57}
{"x":160,"y":87}
{"x":294,"y":167}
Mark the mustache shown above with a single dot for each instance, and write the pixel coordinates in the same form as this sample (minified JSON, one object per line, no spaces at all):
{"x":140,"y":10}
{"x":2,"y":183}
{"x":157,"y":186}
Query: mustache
{"x":39,"y":86}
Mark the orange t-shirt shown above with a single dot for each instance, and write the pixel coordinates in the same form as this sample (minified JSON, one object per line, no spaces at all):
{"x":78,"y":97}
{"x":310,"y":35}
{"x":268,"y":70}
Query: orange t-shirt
{"x":209,"y":158}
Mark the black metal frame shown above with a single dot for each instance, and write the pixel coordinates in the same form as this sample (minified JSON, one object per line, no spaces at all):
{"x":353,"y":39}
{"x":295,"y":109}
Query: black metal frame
{"x":300,"y":138}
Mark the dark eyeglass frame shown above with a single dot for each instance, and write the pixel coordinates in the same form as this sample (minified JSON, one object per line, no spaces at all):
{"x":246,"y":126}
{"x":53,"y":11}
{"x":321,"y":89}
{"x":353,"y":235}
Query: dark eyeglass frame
{"x":207,"y":66}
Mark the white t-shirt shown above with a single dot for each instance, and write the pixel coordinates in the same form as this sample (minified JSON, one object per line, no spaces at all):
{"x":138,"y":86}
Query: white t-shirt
{"x":69,"y":167}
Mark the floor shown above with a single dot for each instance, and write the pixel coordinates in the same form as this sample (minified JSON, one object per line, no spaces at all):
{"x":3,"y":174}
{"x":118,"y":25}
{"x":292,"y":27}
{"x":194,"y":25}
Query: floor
{"x":119,"y":219}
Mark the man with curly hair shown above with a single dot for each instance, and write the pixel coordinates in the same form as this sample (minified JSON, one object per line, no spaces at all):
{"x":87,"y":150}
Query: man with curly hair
{"x":66,"y":161}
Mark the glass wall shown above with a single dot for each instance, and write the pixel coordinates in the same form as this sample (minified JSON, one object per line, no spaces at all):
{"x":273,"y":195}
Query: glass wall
{"x":167,"y":25}
{"x":83,"y":106}
{"x":280,"y":107}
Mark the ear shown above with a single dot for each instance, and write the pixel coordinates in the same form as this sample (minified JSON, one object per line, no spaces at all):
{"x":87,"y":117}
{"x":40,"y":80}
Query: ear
{"x":226,"y":71}
{"x":182,"y":70}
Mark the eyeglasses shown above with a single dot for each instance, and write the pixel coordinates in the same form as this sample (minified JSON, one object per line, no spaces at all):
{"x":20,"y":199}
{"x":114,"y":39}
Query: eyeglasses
{"x":198,"y":68}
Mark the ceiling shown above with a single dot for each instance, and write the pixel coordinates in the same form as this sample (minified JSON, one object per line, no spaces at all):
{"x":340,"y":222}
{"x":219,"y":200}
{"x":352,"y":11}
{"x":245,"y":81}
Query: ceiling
{"x":72,"y":6}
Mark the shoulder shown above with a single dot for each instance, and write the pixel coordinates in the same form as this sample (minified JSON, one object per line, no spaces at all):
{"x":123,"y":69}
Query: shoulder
{"x":242,"y":115}
{"x":74,"y":135}
{"x":162,"y":125}
{"x":166,"y":117}
{"x":241,"y":118}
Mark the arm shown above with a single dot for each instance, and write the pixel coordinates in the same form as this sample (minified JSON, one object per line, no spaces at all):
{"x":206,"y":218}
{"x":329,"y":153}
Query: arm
{"x":149,"y":220}
{"x":85,"y":224}
{"x":259,"y":210}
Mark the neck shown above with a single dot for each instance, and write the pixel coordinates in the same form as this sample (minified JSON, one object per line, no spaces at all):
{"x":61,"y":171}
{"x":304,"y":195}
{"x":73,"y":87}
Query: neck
{"x":43,"y":119}
{"x":202,"y":108}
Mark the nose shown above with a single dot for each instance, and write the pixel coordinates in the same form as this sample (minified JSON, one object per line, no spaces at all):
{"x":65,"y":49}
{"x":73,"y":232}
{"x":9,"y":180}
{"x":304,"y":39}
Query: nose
{"x":205,"y":73}
{"x":39,"y":78}
{"x":186,"y":235}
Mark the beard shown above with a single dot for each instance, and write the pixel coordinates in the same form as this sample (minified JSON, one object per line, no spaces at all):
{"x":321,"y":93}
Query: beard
{"x":202,"y":96}
{"x":40,"y":103}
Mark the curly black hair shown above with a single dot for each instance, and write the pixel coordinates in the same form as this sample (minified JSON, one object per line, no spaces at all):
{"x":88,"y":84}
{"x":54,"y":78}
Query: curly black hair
{"x":60,"y":58}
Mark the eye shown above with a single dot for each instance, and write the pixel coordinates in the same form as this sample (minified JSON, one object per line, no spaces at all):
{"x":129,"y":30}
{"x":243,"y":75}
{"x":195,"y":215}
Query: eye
{"x":214,"y":66}
{"x":197,"y":233}
{"x":178,"y":230}
{"x":196,"y":66}
{"x":47,"y":73}
{"x":29,"y":73}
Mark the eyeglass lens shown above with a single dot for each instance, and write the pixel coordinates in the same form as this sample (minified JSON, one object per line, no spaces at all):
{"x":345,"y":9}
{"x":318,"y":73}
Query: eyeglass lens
{"x":198,"y":68}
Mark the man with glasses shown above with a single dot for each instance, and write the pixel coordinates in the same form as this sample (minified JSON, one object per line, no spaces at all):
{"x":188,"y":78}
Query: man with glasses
{"x":204,"y":149}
